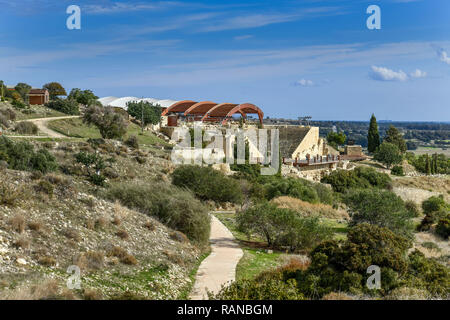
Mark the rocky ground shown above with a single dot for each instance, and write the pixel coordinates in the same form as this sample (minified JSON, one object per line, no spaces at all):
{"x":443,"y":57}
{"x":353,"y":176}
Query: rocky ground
{"x":121,"y":253}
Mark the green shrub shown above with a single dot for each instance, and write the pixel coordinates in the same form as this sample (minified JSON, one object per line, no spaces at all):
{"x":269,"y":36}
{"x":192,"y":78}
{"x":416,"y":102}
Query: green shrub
{"x":276,"y":186}
{"x":379,"y":207}
{"x":433,"y":204}
{"x":68,"y":106}
{"x":342,"y":266}
{"x":435,"y":208}
{"x":132,"y":142}
{"x":26,"y":127}
{"x":93,"y":164}
{"x":175,"y":207}
{"x":21,"y":156}
{"x":45,"y":187}
{"x":207,"y":183}
{"x":426,"y":273}
{"x":360,"y":178}
{"x":282,"y":227}
{"x":397,"y":171}
{"x":443,"y":227}
{"x":412,"y":207}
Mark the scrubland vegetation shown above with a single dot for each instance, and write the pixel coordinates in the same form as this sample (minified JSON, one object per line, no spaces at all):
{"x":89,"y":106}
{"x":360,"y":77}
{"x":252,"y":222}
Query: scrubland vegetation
{"x":108,"y":200}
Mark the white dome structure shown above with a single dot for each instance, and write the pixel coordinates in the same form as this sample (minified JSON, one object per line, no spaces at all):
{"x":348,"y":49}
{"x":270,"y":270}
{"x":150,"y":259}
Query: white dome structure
{"x":122,"y":102}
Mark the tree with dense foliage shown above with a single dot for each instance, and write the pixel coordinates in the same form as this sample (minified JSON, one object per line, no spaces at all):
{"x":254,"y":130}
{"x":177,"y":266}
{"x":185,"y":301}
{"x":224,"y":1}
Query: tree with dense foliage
{"x":112,"y":125}
{"x":336,"y":139}
{"x":394,"y":136}
{"x":2,"y":90}
{"x":84,"y":97}
{"x":282,"y":227}
{"x":373,"y":136}
{"x":23,"y":89}
{"x":441,"y":163}
{"x":388,"y":154}
{"x":67,"y":106}
{"x":428,"y":165}
{"x":359,"y":178}
{"x":55,"y":89}
{"x":380,"y":207}
{"x":150,"y":113}
{"x":207,"y":183}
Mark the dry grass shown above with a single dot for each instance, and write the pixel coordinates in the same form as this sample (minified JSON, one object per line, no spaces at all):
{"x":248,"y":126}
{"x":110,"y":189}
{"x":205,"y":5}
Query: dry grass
{"x":91,"y":260}
{"x":337,"y":296}
{"x":49,"y":289}
{"x":47,"y":261}
{"x":116,"y":221}
{"x":431,"y":184}
{"x":92,"y":294}
{"x":9,"y":194}
{"x":149,"y":225}
{"x":72,"y":234}
{"x":310,"y":209}
{"x":99,"y":223}
{"x":123,"y":255}
{"x":123,"y":234}
{"x":120,"y":211}
{"x":22,"y":242}
{"x":17,"y":223}
{"x":35,"y":225}
{"x":174,"y":257}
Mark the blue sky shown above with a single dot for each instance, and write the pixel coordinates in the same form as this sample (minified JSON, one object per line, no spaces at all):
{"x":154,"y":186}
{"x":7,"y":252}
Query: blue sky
{"x":292,"y":58}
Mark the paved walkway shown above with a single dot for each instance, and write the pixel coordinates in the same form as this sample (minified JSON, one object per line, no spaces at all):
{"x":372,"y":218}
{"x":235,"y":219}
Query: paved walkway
{"x":41,"y":123}
{"x":220,"y":266}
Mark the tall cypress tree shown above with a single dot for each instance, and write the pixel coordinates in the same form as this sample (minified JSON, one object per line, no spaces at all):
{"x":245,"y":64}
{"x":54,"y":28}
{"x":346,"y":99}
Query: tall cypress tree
{"x":428,"y":165}
{"x":373,"y":136}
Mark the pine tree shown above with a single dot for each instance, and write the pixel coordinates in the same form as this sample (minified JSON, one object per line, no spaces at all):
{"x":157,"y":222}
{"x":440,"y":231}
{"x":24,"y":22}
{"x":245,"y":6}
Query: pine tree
{"x":373,"y":137}
{"x":428,"y":165}
{"x":395,"y":137}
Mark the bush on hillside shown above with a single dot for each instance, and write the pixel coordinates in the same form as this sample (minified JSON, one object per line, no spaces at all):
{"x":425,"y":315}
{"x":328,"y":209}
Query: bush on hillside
{"x":435,"y":209}
{"x":132,"y":142}
{"x":207,"y":183}
{"x":380,"y":207}
{"x":443,"y":227}
{"x":68,"y":106}
{"x":21,"y":156}
{"x":26,"y":127}
{"x":359,"y":178}
{"x":342,"y":266}
{"x":282,"y":227}
{"x":175,"y":207}
{"x":397,"y":171}
{"x":276,"y":186}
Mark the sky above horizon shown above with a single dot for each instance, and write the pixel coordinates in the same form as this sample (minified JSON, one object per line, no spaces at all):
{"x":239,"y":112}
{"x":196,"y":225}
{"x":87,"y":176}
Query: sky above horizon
{"x":292,"y":58}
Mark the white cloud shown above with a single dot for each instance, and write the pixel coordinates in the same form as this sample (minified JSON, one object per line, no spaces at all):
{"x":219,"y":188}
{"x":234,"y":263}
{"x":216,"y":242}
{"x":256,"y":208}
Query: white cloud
{"x":304,"y":83}
{"x":385,"y":74}
{"x":120,"y":7}
{"x":418,"y":74}
{"x":443,"y":56}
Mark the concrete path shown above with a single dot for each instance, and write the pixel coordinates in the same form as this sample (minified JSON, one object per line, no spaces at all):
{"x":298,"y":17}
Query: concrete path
{"x":220,"y":266}
{"x":41,"y":123}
